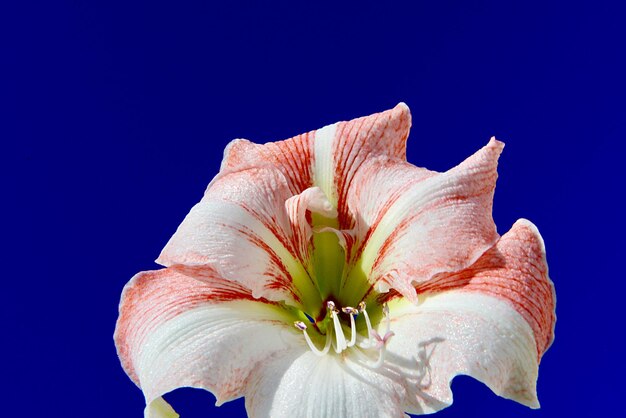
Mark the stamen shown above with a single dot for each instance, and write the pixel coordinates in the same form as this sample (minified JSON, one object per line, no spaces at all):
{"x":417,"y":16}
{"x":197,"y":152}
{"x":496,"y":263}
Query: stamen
{"x":373,"y":341}
{"x":302,"y":327}
{"x":352,"y":312}
{"x":341,"y":339}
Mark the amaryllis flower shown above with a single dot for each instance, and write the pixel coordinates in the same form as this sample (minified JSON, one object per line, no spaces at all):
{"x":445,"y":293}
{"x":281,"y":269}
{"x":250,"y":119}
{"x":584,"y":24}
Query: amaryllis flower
{"x":324,"y":276}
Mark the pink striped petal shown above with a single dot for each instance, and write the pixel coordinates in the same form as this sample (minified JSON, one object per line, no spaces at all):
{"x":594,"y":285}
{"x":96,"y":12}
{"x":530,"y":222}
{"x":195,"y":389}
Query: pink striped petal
{"x":423,"y":223}
{"x":241,"y":228}
{"x":329,"y":157}
{"x":293,"y":157}
{"x":492,"y":321}
{"x":176,"y":331}
{"x":243,"y":210}
{"x":341,"y":149}
{"x":514,"y":270}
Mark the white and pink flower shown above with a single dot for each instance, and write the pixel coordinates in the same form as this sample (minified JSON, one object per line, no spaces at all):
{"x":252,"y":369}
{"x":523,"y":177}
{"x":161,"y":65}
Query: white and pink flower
{"x":325,"y":276}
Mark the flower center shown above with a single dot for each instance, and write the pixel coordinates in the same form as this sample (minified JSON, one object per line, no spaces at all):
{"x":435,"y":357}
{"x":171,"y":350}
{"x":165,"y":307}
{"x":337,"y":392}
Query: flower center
{"x":338,"y":282}
{"x":335,"y":336}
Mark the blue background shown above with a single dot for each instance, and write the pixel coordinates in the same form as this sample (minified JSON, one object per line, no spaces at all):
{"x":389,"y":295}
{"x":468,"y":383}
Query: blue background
{"x":114,"y":118}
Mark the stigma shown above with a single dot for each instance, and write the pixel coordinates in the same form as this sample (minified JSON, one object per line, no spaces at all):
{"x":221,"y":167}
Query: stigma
{"x":361,"y":345}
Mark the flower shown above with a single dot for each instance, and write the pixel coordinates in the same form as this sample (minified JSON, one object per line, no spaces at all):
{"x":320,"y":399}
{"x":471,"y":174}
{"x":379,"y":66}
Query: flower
{"x":325,"y":276}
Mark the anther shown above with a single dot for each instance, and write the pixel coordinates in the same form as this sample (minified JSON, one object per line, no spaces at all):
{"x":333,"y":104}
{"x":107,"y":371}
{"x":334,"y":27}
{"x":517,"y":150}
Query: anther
{"x":349,"y":310}
{"x":330,"y":305}
{"x":300,"y":325}
{"x":362,"y":306}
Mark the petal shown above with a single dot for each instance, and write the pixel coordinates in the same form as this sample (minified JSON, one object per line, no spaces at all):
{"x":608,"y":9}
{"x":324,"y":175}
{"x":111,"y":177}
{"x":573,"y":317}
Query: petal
{"x":447,"y":334}
{"x":340,"y":150}
{"x":176,"y":331}
{"x":423,"y":223}
{"x":242,"y":229}
{"x":514,"y":270}
{"x":243,"y":211}
{"x":295,"y":385}
{"x":311,"y":200}
{"x":158,"y":408}
{"x":329,"y":157}
{"x":468,"y":333}
{"x":293,"y":157}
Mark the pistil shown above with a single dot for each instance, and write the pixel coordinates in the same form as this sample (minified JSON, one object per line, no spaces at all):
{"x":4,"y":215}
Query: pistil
{"x":380,"y":343}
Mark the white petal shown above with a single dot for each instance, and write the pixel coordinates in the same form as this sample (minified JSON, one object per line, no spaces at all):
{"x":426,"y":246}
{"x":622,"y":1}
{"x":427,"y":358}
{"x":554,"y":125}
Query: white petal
{"x":176,"y":331}
{"x":295,"y":385}
{"x":212,"y":347}
{"x":468,"y":333}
